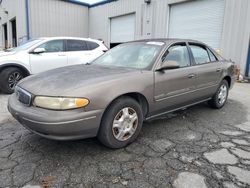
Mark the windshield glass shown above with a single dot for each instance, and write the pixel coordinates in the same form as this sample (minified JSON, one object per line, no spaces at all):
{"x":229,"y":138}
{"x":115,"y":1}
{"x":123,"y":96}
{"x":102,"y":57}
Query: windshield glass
{"x":133,"y":55}
{"x":25,"y":46}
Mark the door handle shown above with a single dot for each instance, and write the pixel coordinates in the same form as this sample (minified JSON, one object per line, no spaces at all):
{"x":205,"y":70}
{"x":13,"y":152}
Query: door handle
{"x":191,"y":75}
{"x":61,"y":55}
{"x":218,"y":70}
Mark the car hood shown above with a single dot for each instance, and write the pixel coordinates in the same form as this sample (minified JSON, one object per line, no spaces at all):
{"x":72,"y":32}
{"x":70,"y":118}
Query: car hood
{"x":64,"y":81}
{"x":6,"y":53}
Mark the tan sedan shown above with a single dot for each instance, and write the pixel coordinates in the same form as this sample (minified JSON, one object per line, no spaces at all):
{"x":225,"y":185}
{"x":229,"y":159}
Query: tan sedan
{"x":112,"y":96}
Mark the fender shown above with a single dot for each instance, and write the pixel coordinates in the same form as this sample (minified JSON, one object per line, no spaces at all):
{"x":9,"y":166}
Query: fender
{"x":26,"y":71}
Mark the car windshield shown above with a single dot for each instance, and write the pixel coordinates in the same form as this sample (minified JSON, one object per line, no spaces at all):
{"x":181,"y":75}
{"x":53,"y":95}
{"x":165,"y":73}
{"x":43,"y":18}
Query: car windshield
{"x":131,"y":55}
{"x":25,"y":46}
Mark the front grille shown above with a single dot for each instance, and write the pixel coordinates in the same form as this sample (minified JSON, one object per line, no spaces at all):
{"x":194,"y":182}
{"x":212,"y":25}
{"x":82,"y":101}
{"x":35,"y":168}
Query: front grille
{"x":23,"y":96}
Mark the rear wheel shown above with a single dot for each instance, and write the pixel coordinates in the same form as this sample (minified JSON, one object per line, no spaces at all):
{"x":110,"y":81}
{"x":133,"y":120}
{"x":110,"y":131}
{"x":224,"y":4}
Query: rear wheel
{"x":220,"y":97}
{"x":121,"y":123}
{"x":9,"y":78}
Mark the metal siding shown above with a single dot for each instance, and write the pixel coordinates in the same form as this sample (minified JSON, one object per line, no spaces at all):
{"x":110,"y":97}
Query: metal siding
{"x":236,"y":32}
{"x":99,"y":17}
{"x":151,"y":20}
{"x":199,"y":20}
{"x":160,"y":21}
{"x":57,"y":18}
{"x":15,"y":8}
{"x":122,"y":28}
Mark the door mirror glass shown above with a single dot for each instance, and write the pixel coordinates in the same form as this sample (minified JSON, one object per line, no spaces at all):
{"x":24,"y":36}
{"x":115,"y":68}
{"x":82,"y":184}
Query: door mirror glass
{"x":169,"y":65}
{"x":38,"y":50}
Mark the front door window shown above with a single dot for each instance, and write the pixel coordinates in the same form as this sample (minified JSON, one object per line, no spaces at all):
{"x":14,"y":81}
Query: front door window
{"x":178,"y":53}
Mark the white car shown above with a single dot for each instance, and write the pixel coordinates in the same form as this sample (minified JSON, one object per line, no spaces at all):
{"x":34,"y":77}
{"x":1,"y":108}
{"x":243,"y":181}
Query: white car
{"x":43,"y":54}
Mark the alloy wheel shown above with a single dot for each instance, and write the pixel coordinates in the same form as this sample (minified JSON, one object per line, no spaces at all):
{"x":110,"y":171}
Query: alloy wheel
{"x":125,"y":124}
{"x":14,"y":78}
{"x":222,"y":95}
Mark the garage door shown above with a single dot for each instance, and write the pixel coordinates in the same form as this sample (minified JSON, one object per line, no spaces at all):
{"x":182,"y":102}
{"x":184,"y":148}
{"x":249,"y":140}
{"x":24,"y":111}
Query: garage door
{"x":201,"y":20}
{"x":122,"y":28}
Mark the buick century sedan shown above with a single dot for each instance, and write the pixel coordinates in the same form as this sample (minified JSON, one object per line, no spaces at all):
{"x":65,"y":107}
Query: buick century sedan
{"x":112,"y":96}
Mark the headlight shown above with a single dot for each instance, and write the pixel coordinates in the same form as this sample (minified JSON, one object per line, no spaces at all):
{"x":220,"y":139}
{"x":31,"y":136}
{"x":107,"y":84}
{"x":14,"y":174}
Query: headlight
{"x":60,"y":103}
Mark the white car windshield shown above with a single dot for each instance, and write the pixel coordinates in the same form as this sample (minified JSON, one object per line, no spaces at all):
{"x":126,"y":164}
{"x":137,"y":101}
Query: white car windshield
{"x":25,"y":46}
{"x":131,"y":55}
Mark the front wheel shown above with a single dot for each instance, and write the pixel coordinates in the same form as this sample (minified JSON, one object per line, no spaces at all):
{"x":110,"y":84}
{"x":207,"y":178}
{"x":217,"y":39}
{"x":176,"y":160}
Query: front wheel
{"x":121,"y":123}
{"x":220,"y":97}
{"x":9,"y":78}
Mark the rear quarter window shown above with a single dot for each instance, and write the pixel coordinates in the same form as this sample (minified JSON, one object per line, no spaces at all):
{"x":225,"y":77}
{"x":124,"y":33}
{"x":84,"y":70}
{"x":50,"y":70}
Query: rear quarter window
{"x":211,"y":55}
{"x":92,"y":45}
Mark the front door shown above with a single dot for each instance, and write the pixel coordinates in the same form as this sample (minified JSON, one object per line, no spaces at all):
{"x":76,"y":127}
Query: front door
{"x":174,"y":87}
{"x":53,"y":57}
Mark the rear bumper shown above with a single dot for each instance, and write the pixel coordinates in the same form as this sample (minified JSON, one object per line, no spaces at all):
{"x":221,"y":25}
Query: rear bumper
{"x":57,"y":125}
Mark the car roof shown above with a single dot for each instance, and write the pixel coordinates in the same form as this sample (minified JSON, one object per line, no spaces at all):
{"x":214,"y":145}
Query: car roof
{"x":73,"y":38}
{"x":168,"y":40}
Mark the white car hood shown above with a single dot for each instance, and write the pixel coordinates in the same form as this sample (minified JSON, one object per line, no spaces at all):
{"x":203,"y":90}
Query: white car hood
{"x":3,"y":53}
{"x":11,"y":56}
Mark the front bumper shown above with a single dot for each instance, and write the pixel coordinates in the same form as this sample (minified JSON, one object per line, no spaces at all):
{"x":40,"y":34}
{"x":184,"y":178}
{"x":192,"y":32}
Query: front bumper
{"x":57,"y":125}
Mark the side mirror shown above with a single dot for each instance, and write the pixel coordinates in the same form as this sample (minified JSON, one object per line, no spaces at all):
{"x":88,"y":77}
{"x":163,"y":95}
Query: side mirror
{"x":169,"y":65}
{"x":38,"y":50}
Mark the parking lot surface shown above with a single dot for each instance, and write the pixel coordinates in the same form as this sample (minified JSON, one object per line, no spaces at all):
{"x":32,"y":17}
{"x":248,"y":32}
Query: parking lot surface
{"x":198,"y":147}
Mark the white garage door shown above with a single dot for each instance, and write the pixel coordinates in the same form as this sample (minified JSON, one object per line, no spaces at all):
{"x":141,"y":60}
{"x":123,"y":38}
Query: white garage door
{"x":122,"y":28}
{"x":201,"y":20}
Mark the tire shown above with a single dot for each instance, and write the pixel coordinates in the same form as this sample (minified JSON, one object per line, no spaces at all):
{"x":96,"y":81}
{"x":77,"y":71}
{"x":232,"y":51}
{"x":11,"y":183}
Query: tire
{"x":123,"y":111}
{"x":219,"y":99}
{"x":9,"y":78}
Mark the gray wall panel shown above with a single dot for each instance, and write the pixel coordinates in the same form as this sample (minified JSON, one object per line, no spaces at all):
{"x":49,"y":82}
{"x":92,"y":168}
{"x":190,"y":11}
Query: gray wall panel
{"x":57,"y":18}
{"x":16,"y":9}
{"x":236,"y":31}
{"x":99,"y":17}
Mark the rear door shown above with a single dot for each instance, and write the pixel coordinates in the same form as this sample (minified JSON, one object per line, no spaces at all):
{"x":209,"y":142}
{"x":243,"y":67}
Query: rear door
{"x":174,"y":87}
{"x":53,"y":57}
{"x":208,"y":70}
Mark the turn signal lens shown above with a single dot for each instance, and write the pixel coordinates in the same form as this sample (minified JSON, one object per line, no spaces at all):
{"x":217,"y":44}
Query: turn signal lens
{"x":81,"y":102}
{"x":60,"y":103}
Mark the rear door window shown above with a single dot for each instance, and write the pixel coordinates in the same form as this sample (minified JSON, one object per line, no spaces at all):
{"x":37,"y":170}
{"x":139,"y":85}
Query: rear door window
{"x":76,"y":45}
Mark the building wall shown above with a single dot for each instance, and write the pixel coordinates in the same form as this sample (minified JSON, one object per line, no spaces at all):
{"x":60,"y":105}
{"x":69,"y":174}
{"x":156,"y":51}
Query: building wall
{"x":16,"y":9}
{"x":57,"y":18}
{"x":236,"y":32}
{"x":46,"y":18}
{"x":152,"y":21}
{"x":99,"y":17}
